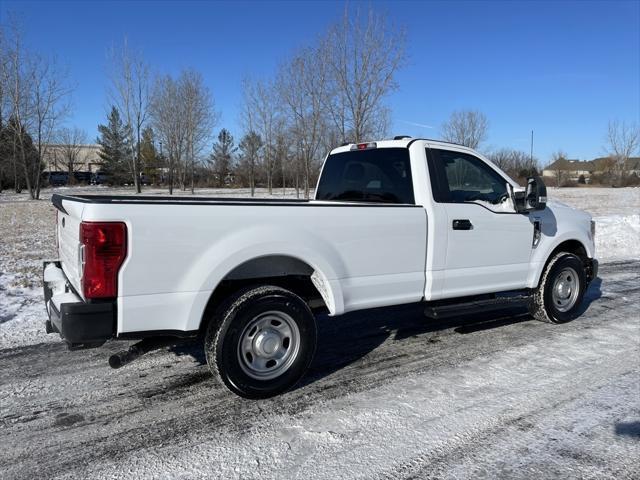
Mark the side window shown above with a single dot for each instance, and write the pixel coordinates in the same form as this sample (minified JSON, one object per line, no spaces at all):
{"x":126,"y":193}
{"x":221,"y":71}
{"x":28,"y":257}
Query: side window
{"x":459,"y":177}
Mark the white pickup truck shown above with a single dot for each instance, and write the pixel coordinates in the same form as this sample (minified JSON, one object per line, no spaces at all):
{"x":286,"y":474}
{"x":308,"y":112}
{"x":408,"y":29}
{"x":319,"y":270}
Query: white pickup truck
{"x":392,"y":222}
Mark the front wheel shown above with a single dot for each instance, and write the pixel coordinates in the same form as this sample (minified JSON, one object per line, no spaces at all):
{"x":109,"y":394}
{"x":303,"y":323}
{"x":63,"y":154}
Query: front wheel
{"x":559,"y":295}
{"x":261,"y":342}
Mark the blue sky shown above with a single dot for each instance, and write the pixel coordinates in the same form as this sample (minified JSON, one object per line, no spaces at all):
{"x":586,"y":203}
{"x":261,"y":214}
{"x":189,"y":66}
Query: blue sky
{"x":562,"y":69}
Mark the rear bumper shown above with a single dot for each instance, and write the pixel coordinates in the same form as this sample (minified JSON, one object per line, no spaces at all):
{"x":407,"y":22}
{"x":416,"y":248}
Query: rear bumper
{"x":80,"y":324}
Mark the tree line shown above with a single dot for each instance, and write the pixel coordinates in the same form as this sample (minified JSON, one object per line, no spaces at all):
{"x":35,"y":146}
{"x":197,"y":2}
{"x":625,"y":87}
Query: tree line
{"x":162,"y":128}
{"x":324,"y":94}
{"x":34,"y":101}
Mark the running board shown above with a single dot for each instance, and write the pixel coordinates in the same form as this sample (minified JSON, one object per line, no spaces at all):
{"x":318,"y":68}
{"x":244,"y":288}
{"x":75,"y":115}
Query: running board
{"x":475,"y":306}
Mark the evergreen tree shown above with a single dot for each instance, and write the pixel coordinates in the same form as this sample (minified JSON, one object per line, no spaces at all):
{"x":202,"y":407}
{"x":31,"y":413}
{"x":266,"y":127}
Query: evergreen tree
{"x":13,"y":141}
{"x":149,"y":158}
{"x":114,"y":148}
{"x":221,"y":159}
{"x":250,"y":146}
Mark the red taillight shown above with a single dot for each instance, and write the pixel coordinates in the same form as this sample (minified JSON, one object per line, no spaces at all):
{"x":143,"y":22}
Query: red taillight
{"x":105,"y":248}
{"x":364,"y":146}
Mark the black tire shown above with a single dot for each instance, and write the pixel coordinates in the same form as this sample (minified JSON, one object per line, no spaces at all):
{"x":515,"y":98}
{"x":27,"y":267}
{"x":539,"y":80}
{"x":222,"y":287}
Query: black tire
{"x":542,"y":306}
{"x":225,"y":332}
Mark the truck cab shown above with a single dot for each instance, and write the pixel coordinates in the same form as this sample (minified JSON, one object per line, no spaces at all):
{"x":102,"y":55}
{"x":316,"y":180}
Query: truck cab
{"x":481,"y":236}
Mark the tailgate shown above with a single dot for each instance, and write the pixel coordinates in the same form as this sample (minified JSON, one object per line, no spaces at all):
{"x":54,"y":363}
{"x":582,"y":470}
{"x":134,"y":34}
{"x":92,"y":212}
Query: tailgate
{"x":68,"y":237}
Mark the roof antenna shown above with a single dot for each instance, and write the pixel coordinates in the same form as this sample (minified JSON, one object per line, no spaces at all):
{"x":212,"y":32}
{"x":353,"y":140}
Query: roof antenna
{"x":531,"y":155}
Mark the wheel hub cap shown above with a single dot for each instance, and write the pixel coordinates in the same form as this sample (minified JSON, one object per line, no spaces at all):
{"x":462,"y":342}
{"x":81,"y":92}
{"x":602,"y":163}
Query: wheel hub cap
{"x":566,"y":288}
{"x":268,"y":345}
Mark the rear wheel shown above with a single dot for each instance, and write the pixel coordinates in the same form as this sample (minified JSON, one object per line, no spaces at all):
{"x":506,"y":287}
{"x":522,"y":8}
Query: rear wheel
{"x":559,"y":295}
{"x":261,"y":342}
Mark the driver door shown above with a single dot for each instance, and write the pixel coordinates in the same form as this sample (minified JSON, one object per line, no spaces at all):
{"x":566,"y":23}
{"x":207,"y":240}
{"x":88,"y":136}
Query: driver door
{"x":489,"y":245}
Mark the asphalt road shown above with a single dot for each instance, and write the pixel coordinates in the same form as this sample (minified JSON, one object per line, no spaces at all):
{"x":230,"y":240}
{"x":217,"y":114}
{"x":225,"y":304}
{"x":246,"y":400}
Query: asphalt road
{"x":390,"y":395}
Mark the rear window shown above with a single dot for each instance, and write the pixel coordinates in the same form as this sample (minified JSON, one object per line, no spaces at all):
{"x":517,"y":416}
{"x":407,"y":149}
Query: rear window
{"x":377,"y":175}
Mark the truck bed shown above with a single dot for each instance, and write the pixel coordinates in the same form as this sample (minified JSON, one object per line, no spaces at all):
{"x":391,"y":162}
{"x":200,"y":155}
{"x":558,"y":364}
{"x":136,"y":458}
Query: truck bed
{"x":362,"y":254}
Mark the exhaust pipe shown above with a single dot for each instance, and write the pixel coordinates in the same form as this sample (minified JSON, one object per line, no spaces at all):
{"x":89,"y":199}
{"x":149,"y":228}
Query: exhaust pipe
{"x":136,"y":350}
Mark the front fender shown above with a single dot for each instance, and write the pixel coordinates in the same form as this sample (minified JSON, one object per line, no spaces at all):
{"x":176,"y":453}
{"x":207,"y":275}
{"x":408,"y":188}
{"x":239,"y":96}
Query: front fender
{"x":546,"y":248}
{"x":559,"y":224}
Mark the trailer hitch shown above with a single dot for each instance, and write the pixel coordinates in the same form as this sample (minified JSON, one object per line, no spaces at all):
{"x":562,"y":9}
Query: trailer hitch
{"x":136,"y":350}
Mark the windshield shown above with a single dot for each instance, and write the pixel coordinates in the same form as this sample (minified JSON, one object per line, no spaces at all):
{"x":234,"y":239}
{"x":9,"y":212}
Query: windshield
{"x":374,"y":175}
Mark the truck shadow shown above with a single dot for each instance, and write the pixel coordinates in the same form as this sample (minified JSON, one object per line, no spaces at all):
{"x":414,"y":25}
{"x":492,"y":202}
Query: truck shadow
{"x":593,"y":293}
{"x":344,"y":340}
{"x":629,"y":429}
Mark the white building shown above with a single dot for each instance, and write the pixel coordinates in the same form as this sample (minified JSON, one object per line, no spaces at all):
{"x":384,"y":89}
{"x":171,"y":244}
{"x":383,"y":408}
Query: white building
{"x":85,"y":158}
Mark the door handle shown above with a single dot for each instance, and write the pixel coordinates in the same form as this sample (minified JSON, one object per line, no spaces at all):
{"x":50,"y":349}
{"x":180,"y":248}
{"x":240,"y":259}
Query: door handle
{"x":462,"y":224}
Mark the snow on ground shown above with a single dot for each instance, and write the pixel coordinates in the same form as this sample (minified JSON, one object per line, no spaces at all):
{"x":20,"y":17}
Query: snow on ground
{"x":617,"y":216}
{"x":389,"y":395}
{"x":26,"y":239}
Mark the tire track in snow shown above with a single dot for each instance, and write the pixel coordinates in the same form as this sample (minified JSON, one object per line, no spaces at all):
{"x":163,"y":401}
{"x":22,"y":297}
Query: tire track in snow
{"x":51,"y":397}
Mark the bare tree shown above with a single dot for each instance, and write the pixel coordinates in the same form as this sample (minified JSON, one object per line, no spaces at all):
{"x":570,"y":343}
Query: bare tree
{"x":50,"y":106}
{"x":363,"y":54}
{"x":17,"y":78}
{"x":38,"y":96}
{"x":4,"y":76}
{"x":302,"y":85}
{"x":283,"y":155}
{"x":261,"y":110}
{"x":559,"y":160}
{"x":129,"y":91}
{"x":4,"y":102}
{"x":517,"y":164}
{"x":622,"y":142}
{"x":466,"y":127}
{"x":167,"y":112}
{"x":71,"y":142}
{"x":199,"y":120}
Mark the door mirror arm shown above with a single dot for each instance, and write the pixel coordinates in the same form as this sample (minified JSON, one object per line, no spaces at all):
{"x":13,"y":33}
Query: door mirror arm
{"x":517,"y":197}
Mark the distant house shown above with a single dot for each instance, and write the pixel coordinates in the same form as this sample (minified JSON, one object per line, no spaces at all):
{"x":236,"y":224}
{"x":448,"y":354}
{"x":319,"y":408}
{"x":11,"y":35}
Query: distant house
{"x":566,"y":169}
{"x":632,"y":165}
{"x":86,"y":158}
{"x":569,"y":169}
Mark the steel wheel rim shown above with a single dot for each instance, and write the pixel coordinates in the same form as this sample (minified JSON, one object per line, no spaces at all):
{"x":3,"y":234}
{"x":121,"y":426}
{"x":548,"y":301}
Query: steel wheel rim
{"x":566,"y":288}
{"x":268,"y":345}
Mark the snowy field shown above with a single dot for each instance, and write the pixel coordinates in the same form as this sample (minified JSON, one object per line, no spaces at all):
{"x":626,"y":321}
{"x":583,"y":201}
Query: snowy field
{"x":617,"y":216}
{"x":390,"y":394}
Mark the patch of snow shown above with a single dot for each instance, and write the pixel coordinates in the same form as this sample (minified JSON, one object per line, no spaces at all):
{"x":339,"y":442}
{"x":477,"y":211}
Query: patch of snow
{"x":617,"y":237}
{"x":435,"y":419}
{"x":616,"y":212}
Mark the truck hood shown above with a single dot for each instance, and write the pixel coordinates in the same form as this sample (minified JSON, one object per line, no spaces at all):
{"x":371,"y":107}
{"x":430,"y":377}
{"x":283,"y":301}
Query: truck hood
{"x":564,"y":211}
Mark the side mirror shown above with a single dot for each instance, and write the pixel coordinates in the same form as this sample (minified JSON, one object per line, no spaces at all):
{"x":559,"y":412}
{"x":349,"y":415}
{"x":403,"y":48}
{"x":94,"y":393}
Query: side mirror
{"x":536,"y":194}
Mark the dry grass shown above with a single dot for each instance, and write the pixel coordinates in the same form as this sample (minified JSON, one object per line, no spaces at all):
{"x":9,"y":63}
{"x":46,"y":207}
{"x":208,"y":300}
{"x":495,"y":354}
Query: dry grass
{"x":27,"y":237}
